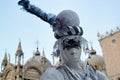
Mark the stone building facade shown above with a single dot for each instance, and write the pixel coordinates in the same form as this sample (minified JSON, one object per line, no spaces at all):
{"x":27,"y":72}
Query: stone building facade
{"x":31,"y":70}
{"x":110,"y":44}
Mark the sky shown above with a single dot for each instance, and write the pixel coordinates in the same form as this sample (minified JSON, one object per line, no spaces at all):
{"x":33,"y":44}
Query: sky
{"x":18,"y":25}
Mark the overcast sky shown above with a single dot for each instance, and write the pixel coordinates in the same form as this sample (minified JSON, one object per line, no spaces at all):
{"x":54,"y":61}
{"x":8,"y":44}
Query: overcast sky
{"x":16,"y":24}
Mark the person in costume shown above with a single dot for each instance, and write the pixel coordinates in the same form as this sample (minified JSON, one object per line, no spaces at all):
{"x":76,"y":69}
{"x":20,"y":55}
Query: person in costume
{"x":69,"y":45}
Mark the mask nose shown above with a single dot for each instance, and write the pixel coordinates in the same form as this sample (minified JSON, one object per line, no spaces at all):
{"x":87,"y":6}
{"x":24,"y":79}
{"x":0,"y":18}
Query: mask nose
{"x":75,"y":52}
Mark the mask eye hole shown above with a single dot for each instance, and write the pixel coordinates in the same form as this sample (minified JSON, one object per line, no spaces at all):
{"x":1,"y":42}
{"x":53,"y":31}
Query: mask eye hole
{"x":71,"y":43}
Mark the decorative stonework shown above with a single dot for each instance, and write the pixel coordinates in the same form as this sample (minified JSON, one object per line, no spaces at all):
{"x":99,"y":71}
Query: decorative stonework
{"x":32,"y":69}
{"x":101,"y":36}
{"x":110,"y":45}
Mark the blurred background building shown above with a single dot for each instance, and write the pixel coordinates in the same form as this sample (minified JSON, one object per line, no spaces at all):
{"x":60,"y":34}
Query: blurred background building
{"x":33,"y":68}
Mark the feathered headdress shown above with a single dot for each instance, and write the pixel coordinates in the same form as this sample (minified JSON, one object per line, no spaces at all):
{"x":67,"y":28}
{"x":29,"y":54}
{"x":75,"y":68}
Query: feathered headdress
{"x":67,"y":24}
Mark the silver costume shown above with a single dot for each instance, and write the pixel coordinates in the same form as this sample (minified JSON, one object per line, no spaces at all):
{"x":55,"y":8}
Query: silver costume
{"x":69,"y":44}
{"x":63,"y":72}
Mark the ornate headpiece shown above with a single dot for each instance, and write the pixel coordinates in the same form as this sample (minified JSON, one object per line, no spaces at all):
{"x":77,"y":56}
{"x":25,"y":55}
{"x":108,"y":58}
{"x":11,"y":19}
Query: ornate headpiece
{"x":67,"y":24}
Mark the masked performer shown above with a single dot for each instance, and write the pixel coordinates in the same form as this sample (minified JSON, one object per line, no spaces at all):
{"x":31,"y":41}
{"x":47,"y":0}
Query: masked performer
{"x":69,"y":45}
